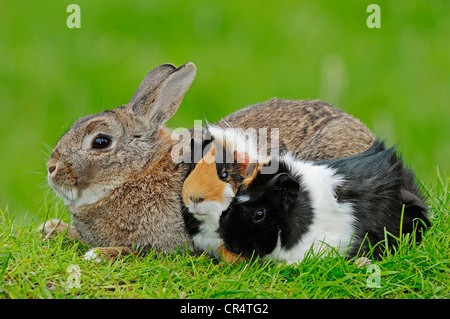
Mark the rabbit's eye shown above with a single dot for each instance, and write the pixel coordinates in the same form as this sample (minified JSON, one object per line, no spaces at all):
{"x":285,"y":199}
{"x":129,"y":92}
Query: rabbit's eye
{"x":259,"y":215}
{"x":101,"y":142}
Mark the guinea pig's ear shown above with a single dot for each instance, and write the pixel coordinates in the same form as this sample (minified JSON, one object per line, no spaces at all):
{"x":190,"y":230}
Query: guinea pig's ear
{"x":206,"y":144}
{"x":198,"y":148}
{"x":242,"y":159}
{"x":284,"y":183}
{"x":160,"y":93}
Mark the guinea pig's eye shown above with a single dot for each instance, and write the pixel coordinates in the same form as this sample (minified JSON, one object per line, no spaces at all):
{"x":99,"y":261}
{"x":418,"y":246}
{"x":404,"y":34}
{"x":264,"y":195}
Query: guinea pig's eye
{"x":223,"y":175}
{"x":259,"y":215}
{"x":101,"y":142}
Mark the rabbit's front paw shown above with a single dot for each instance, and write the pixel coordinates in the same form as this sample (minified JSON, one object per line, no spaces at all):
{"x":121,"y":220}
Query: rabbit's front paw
{"x":52,"y":226}
{"x":99,"y":254}
{"x":57,"y":226}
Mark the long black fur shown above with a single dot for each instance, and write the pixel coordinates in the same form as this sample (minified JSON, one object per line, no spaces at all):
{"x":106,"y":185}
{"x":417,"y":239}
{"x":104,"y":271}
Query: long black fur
{"x":378,"y":184}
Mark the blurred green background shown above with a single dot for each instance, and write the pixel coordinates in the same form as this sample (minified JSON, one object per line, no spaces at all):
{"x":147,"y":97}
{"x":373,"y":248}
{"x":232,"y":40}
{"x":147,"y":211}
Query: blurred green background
{"x":395,"y":79}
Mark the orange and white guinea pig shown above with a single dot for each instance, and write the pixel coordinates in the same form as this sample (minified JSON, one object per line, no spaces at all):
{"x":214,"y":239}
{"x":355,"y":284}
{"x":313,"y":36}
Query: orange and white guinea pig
{"x":213,"y":182}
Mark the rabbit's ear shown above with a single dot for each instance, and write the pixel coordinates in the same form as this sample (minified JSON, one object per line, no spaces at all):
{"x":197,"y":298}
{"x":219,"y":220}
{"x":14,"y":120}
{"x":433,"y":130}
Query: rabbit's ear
{"x":150,"y":83}
{"x":160,"y":93}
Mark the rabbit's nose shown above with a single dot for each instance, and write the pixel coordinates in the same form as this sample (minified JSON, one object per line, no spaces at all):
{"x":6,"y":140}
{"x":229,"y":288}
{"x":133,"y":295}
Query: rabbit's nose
{"x":51,"y":168}
{"x":196,"y":200}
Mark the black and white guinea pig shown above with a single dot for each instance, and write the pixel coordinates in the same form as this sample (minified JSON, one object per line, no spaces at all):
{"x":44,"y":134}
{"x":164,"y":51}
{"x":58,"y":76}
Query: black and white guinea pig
{"x":345,"y":203}
{"x":212,"y":183}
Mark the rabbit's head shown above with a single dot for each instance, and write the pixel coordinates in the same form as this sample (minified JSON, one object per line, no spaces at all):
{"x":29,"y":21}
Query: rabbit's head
{"x":99,"y":152}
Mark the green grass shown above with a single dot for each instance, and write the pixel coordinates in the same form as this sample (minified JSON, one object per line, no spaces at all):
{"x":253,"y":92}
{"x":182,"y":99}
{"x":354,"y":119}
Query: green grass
{"x":33,"y":268}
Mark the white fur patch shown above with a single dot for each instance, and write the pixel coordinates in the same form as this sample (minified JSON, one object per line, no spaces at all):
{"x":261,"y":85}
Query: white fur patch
{"x":92,"y":195}
{"x":73,"y":197}
{"x":242,"y":199}
{"x":68,"y":195}
{"x":237,"y":140}
{"x":332,"y":224}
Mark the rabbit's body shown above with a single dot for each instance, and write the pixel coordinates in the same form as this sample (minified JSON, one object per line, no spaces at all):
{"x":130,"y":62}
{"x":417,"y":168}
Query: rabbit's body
{"x":345,"y":204}
{"x":310,"y":129}
{"x":115,"y":173}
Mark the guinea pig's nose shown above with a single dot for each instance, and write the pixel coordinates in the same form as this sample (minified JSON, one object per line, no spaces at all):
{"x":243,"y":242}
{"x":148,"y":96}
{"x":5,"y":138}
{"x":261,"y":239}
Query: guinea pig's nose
{"x":197,"y":200}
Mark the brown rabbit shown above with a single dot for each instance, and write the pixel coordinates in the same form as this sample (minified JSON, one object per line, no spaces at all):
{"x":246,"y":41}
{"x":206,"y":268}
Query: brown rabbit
{"x":114,"y":169}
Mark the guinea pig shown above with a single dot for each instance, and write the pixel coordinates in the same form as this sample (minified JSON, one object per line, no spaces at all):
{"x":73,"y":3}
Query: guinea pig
{"x":213,"y":181}
{"x":348,"y":204}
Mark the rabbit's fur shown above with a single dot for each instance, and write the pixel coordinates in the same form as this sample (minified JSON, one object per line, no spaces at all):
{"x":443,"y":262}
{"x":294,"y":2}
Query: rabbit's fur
{"x":310,"y":129}
{"x":129,"y":193}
